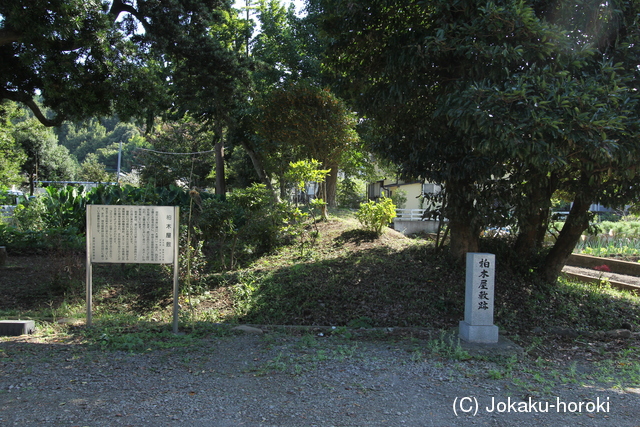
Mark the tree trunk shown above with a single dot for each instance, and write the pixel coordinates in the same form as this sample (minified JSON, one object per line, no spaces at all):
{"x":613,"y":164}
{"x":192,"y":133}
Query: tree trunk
{"x":32,"y":185}
{"x":543,"y":226}
{"x":464,"y":238}
{"x":526,"y":242}
{"x":331,"y":185}
{"x":33,"y":177}
{"x":463,"y":225}
{"x":221,"y":187}
{"x":534,"y":220}
{"x":283,"y":187}
{"x":3,"y":256}
{"x":577,"y":221}
{"x":260,"y":171}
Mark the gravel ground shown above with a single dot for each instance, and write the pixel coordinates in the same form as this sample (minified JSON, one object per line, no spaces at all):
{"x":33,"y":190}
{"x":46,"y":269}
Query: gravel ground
{"x":277,"y":379}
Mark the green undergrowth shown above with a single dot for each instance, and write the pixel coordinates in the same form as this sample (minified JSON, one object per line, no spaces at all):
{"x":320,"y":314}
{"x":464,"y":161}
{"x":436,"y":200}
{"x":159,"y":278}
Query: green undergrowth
{"x":571,"y":304}
{"x":620,"y":239}
{"x":348,"y":278}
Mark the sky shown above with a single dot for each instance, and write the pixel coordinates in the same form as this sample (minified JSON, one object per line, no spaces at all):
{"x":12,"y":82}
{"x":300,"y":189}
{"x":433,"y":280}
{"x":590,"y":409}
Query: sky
{"x":299,"y":4}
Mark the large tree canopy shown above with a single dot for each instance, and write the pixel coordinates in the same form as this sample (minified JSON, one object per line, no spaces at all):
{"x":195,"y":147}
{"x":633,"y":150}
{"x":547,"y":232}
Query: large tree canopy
{"x":182,"y":152}
{"x":89,"y":58}
{"x":307,"y":122}
{"x":285,"y":51}
{"x":290,"y":114}
{"x":502,"y":102}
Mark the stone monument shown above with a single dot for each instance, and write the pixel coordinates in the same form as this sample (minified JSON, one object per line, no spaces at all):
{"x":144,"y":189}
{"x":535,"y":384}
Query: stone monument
{"x":477,"y":326}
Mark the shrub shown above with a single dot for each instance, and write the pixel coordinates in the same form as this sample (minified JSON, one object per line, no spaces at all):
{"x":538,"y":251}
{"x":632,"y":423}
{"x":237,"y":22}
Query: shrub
{"x":192,"y":261}
{"x":249,"y":223}
{"x":399,"y":198}
{"x":350,"y":193}
{"x":64,"y":207}
{"x":59,"y":216}
{"x":37,"y":241}
{"x":375,"y":215}
{"x":29,"y":216}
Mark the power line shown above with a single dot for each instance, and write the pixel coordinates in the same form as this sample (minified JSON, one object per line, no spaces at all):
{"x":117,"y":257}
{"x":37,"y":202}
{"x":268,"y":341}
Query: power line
{"x":177,"y":154}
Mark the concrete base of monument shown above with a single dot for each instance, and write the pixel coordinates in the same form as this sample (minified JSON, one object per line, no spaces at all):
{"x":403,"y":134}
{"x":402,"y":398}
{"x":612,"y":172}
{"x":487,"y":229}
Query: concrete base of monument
{"x":502,"y":347}
{"x":483,"y":334}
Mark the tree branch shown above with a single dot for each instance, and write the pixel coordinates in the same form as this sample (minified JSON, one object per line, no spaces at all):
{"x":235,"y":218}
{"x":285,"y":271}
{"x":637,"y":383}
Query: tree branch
{"x":118,"y":7}
{"x":27,"y":100}
{"x":57,"y":121}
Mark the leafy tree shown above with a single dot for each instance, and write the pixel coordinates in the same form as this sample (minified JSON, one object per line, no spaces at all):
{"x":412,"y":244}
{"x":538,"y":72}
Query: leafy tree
{"x":400,"y":65}
{"x":210,"y":98}
{"x":566,"y":124}
{"x":351,"y":192}
{"x":136,"y":59}
{"x":94,"y":171}
{"x":246,"y":224}
{"x":374,"y":216}
{"x":284,"y":52}
{"x":305,"y":171}
{"x":12,"y":157}
{"x":497,"y":101}
{"x":313,"y":122}
{"x":46,"y":159}
{"x":182,"y":151}
{"x":94,"y":138}
{"x":240,"y":172}
{"x":122,"y":142}
{"x":82,"y":139}
{"x":93,"y":58}
{"x":65,"y":50}
{"x":288,"y":51}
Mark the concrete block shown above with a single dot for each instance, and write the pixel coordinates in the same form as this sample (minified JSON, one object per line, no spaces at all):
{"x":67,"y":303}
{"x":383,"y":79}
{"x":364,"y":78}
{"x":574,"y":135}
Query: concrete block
{"x":484,"y":334}
{"x":14,"y":328}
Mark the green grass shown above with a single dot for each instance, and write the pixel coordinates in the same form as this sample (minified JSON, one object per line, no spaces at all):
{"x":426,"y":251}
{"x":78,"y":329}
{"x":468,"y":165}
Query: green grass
{"x":347,"y":280}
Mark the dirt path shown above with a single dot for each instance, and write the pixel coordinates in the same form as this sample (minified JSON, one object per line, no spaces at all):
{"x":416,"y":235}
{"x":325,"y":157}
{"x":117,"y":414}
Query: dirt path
{"x":277,"y":379}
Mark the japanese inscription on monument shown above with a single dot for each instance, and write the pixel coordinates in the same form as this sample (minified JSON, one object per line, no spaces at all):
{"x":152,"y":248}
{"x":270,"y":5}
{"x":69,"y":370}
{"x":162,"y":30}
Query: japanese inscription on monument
{"x":132,"y":234}
{"x":479,"y":298}
{"x":483,"y":297}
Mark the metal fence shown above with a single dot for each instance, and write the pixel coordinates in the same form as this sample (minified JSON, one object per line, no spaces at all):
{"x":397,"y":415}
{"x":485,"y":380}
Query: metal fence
{"x":410,"y":214}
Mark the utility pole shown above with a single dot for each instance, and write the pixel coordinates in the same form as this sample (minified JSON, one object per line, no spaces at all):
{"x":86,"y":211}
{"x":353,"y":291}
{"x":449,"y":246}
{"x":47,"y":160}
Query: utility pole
{"x":119,"y":161}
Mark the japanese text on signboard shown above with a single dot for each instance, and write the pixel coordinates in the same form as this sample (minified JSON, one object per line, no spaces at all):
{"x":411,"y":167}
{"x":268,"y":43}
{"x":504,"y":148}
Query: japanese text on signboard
{"x":132,"y":234}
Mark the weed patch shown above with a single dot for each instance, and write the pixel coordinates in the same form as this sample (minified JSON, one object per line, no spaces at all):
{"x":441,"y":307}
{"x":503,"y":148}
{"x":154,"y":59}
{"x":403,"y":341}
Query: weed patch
{"x":349,"y":280}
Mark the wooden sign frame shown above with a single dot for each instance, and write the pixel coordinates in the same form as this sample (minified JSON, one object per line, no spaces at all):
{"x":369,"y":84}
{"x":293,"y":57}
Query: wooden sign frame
{"x":126,"y":234}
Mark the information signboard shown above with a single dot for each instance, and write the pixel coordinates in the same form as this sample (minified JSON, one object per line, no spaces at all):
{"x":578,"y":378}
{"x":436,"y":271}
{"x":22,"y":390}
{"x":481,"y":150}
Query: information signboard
{"x":127,"y":234}
{"x":132,"y":234}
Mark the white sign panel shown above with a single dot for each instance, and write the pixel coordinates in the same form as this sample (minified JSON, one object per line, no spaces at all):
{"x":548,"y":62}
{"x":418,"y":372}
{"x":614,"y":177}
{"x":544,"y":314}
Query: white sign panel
{"x":131,"y":234}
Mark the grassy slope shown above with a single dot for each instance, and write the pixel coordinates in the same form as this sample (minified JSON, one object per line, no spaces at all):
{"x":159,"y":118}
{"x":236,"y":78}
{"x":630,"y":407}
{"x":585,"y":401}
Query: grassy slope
{"x":347,"y":278}
{"x":351,"y":277}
